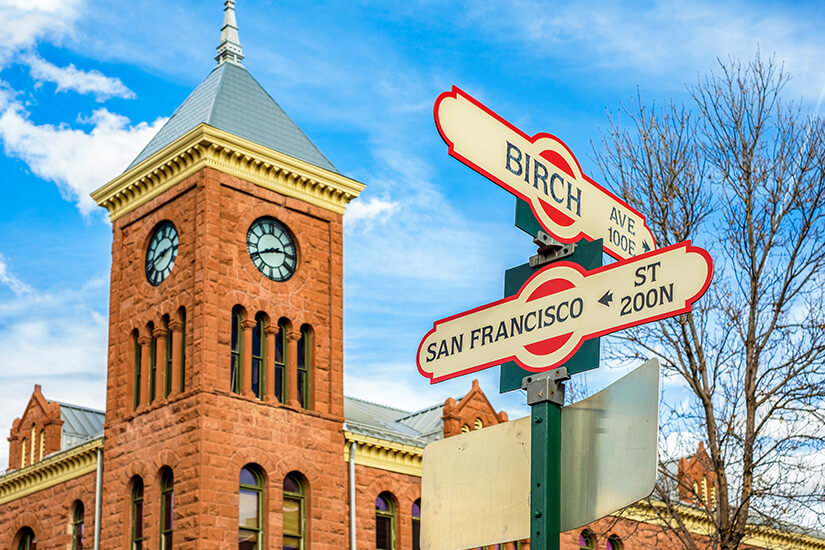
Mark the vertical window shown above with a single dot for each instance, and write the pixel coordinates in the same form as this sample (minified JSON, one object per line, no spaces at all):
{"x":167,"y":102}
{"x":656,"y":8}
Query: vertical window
{"x":153,"y":361}
{"x":416,"y":524}
{"x":167,"y":359}
{"x":23,"y":453}
{"x":137,"y":359}
{"x":78,"y":518}
{"x":167,"y":508}
{"x":304,"y":360}
{"x":33,"y":444}
{"x":294,"y":513}
{"x":236,"y":341}
{"x":280,"y":361}
{"x":258,"y":359}
{"x":42,"y":443}
{"x":587,"y":541}
{"x":250,"y":509}
{"x":27,"y":540}
{"x":614,"y":543}
{"x":137,"y":514}
{"x":478,"y":424}
{"x":182,"y":349}
{"x":385,"y":522}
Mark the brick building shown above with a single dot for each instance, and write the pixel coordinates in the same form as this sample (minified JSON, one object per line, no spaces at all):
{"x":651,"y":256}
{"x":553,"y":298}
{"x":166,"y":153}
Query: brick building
{"x":225,"y":421}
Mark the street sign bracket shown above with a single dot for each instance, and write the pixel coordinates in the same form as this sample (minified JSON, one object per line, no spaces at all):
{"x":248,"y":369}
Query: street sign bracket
{"x":546,"y":386}
{"x":549,"y":250}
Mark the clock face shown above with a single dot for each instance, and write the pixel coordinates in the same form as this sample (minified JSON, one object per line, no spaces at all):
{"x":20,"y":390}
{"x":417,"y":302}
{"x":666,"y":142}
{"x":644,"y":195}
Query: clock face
{"x":272,"y":248}
{"x":161,"y":253}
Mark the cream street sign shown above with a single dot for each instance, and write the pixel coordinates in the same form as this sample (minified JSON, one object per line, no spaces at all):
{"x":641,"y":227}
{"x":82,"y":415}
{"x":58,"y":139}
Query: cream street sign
{"x":563,"y":305}
{"x":542,"y":171}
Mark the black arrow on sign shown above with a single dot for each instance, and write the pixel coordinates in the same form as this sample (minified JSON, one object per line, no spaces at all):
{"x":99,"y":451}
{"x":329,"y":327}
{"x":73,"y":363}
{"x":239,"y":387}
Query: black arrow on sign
{"x":606,"y":299}
{"x":645,"y":246}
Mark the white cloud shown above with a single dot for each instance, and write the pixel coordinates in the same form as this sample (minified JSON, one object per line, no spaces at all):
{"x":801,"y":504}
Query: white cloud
{"x":363,"y":212}
{"x":77,"y":161}
{"x":71,"y":78}
{"x":10,"y":280}
{"x":23,"y":22}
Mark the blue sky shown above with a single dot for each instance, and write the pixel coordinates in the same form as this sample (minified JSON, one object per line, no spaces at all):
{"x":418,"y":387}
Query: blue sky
{"x":83,"y":86}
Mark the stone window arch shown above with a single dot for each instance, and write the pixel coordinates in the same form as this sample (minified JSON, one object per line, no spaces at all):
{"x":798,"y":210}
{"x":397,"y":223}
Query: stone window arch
{"x":78,"y":519}
{"x":251,"y":526}
{"x":386,"y":519}
{"x":294,"y":512}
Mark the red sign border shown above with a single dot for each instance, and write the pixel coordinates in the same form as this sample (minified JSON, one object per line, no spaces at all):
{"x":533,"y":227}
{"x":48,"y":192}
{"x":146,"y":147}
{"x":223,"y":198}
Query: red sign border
{"x":453,"y":93}
{"x":688,"y":307}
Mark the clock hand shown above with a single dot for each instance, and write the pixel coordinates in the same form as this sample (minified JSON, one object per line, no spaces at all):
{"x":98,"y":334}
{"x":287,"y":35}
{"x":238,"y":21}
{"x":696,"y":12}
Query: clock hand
{"x":271,"y":249}
{"x":163,"y":254}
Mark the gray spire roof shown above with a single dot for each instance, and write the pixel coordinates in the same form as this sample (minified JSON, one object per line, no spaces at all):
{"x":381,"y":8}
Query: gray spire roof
{"x":230,"y":99}
{"x":230,"y":48}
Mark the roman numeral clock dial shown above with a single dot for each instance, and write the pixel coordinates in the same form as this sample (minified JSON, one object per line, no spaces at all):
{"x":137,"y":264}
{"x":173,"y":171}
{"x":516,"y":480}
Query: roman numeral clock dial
{"x":272,"y":248}
{"x":161,"y":252}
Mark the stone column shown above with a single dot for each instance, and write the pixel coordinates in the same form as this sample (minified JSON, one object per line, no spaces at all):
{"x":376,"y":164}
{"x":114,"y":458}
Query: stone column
{"x":269,"y":362}
{"x":177,"y":356}
{"x":160,"y":362}
{"x":143,"y":398}
{"x":246,"y":361}
{"x":292,"y":338}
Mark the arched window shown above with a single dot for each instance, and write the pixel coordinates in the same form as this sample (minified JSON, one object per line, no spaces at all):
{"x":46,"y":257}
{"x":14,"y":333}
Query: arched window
{"x":42,"y":443}
{"x":237,"y":345}
{"x":385,"y":522}
{"x":78,"y":519}
{"x":167,"y":359}
{"x":614,"y":543}
{"x":478,"y":424}
{"x":294,"y":513}
{"x":304,"y":361}
{"x":137,"y":513}
{"x":281,"y":360}
{"x":587,"y":540}
{"x":136,"y":377}
{"x":153,"y":360}
{"x":251,"y":509}
{"x":465,"y":428}
{"x":416,"y":524}
{"x":182,"y":317}
{"x":167,"y":508}
{"x":27,"y":540}
{"x":32,"y":444}
{"x":23,"y":453}
{"x":258,"y":355}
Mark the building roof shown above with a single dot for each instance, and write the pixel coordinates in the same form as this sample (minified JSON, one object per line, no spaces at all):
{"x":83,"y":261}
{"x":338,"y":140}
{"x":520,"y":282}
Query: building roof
{"x":79,"y":424}
{"x":383,"y":422}
{"x":230,"y":99}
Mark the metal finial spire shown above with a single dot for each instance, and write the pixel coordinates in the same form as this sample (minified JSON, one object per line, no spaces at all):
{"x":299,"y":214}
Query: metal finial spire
{"x":230,"y":48}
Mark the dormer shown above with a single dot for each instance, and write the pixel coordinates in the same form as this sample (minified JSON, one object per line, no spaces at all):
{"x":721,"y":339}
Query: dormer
{"x":472,"y":412}
{"x":697,"y":479}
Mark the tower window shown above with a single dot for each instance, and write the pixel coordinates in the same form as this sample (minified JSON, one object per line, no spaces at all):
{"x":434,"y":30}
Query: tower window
{"x":137,"y":360}
{"x":416,"y":524}
{"x":167,"y":508}
{"x":78,"y":519}
{"x":281,"y":361}
{"x":167,"y":359}
{"x":182,"y":316}
{"x":153,"y":363}
{"x":237,"y":345}
{"x":33,"y":444}
{"x":23,"y":453}
{"x":42,"y":443}
{"x":304,"y":361}
{"x":294,"y":513}
{"x":258,"y":355}
{"x":137,"y":514}
{"x":385,"y":522}
{"x":587,"y":541}
{"x":250,"y":509}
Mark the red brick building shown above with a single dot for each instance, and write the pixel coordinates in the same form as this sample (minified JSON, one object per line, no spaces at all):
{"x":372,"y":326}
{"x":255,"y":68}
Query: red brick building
{"x":225,"y":424}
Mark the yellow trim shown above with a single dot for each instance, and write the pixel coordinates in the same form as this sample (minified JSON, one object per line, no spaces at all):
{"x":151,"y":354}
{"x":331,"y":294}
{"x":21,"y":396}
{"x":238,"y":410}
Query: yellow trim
{"x":52,"y":471}
{"x":697,"y":522}
{"x":206,"y":146}
{"x":384,"y":455}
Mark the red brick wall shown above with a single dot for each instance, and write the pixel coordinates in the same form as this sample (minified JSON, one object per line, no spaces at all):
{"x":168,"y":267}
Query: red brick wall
{"x":49,"y":513}
{"x":371,"y":482}
{"x":42,"y":415}
{"x":207,"y":434}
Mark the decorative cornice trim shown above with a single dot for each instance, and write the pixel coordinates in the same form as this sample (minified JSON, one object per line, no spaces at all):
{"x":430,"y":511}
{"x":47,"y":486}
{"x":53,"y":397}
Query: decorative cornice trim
{"x":384,"y":455}
{"x":51,"y":471}
{"x":207,"y":146}
{"x":697,"y":522}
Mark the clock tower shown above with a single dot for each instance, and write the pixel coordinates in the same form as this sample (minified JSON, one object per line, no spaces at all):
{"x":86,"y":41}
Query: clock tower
{"x":225,"y":363}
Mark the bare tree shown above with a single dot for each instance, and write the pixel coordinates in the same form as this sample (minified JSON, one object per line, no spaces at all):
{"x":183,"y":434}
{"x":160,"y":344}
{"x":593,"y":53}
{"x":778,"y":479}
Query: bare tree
{"x":741,"y":172}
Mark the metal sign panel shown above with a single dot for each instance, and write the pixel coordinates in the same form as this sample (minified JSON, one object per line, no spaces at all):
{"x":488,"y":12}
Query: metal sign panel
{"x":608,"y":449}
{"x":542,"y":171}
{"x":563,"y":305}
{"x":475,"y":488}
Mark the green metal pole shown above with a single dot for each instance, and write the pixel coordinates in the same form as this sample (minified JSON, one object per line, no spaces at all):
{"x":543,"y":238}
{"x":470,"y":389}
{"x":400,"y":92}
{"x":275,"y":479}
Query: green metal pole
{"x":545,"y":476}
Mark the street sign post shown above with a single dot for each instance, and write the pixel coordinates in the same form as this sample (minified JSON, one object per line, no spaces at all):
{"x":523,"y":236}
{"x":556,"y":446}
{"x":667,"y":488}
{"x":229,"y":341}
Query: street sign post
{"x":560,"y":307}
{"x":477,"y":486}
{"x":542,"y":171}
